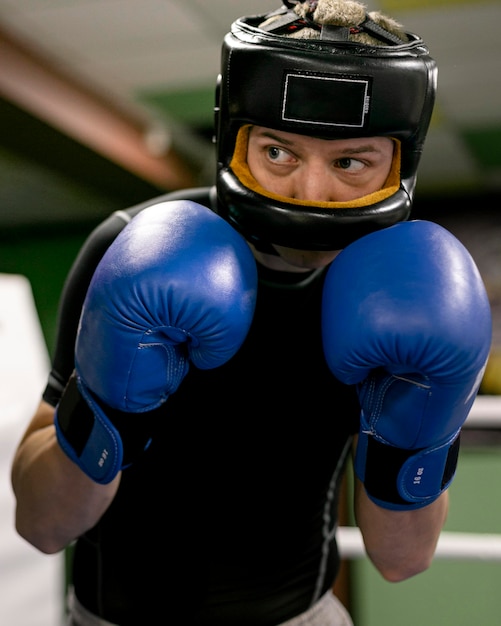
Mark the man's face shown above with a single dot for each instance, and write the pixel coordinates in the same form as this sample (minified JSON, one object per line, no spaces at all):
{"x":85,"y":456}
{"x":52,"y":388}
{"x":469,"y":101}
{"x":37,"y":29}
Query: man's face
{"x":313,"y":169}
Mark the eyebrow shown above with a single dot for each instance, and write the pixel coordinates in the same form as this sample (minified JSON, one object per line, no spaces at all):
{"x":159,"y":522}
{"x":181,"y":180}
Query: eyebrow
{"x":358,"y":150}
{"x":270,"y":135}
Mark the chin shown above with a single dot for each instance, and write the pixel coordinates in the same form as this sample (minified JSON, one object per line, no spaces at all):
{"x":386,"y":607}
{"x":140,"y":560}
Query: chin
{"x":306,"y":259}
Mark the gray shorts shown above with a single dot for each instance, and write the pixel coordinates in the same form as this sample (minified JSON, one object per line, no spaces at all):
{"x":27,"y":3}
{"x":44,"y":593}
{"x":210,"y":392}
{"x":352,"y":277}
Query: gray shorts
{"x":328,"y":611}
{"x":78,"y":615}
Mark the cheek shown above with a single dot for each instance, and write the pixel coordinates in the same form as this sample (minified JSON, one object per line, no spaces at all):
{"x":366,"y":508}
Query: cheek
{"x":256,"y":165}
{"x":252,"y":163}
{"x":385,"y":172}
{"x":256,"y":169}
{"x":259,"y":169}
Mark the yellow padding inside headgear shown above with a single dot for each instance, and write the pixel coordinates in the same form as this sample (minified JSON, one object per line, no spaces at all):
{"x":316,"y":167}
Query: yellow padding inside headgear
{"x":242,"y":172}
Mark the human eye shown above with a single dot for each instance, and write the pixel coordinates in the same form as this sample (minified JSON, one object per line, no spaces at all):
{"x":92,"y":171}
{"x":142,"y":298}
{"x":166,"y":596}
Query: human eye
{"x":279,"y":155}
{"x":349,"y":164}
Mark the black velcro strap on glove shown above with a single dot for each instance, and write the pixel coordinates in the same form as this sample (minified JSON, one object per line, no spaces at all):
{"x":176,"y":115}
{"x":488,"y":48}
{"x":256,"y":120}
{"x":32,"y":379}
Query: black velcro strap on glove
{"x":406,"y":479}
{"x":99,"y":439}
{"x":74,"y":417}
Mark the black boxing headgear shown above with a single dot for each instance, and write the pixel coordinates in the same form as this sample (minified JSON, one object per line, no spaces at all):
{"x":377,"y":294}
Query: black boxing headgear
{"x":331,"y":88}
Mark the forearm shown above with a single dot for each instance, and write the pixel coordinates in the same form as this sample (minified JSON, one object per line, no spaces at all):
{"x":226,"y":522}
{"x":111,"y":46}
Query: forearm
{"x":55,"y":501}
{"x":400,"y":544}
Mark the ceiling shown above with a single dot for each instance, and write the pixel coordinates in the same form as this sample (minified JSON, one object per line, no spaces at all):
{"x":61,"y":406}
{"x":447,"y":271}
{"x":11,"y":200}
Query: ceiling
{"x":153,"y":63}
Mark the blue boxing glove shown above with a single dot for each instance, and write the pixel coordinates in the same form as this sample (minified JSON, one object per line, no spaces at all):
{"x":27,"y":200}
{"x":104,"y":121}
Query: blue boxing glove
{"x":178,"y":285}
{"x":406,"y":318}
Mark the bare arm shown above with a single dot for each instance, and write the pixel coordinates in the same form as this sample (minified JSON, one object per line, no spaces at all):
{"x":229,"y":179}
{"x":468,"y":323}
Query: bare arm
{"x":55,"y":501}
{"x":400,"y":544}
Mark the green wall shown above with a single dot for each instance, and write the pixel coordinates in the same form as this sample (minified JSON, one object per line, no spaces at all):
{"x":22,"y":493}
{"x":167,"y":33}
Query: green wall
{"x":45,"y":261}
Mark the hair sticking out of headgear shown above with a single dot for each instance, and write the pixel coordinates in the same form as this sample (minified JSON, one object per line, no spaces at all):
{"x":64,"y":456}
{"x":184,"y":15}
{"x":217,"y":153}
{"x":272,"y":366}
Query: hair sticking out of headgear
{"x":351,"y":22}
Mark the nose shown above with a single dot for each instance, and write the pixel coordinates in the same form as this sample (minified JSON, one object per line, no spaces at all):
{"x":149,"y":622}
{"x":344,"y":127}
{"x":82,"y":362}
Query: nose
{"x":316,"y":183}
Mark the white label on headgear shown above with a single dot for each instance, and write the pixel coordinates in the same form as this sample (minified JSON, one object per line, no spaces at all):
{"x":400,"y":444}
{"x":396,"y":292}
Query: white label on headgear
{"x":326,"y":100}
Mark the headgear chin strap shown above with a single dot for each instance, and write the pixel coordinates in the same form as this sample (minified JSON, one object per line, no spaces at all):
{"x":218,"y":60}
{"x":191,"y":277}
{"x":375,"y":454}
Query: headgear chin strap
{"x":329,"y":88}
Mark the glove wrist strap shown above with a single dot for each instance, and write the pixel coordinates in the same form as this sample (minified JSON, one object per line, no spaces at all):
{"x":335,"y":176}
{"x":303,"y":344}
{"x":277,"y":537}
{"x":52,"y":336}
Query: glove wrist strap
{"x":400,"y":479}
{"x":100,"y":440}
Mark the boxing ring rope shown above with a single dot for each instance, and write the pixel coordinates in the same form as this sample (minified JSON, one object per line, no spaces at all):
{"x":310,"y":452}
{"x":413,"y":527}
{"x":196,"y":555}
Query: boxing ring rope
{"x":485,"y":414}
{"x":451,"y":545}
